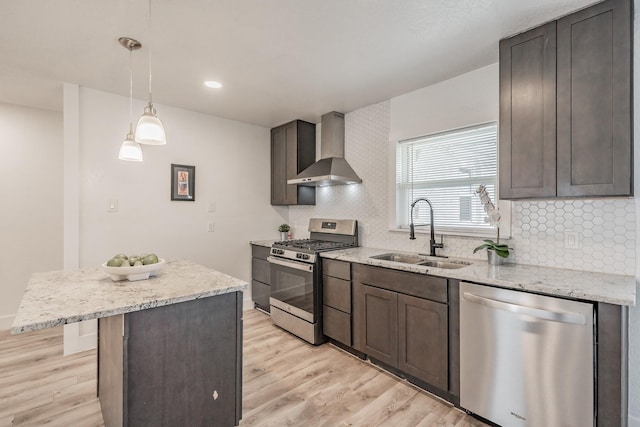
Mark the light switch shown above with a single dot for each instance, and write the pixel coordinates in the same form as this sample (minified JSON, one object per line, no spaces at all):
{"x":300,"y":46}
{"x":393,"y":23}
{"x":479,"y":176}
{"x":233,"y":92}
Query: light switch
{"x":211,"y":227}
{"x":211,"y":206}
{"x":112,"y":205}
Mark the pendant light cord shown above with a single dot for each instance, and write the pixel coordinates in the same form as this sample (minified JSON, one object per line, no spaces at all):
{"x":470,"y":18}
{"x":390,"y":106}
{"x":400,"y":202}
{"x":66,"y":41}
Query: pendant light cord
{"x":149,"y":44}
{"x":130,"y":90}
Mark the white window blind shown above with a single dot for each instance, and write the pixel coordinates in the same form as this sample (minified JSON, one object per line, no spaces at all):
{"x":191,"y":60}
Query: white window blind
{"x":447,"y":168}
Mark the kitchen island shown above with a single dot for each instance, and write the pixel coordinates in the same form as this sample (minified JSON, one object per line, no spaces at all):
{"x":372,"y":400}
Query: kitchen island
{"x":169,"y":348}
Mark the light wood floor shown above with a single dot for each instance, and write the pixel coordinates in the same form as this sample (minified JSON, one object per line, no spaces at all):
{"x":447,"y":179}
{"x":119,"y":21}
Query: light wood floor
{"x":286,"y":383}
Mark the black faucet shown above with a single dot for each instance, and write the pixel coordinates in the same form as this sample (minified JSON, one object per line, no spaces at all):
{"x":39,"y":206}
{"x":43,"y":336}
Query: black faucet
{"x":412,"y":233}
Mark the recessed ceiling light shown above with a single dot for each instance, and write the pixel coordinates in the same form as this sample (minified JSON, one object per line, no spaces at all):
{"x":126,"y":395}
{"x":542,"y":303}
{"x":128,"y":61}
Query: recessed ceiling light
{"x":213,"y":84}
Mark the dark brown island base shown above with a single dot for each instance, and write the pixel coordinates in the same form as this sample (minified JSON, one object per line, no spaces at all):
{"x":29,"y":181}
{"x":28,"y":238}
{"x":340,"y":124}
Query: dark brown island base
{"x":169,"y":348}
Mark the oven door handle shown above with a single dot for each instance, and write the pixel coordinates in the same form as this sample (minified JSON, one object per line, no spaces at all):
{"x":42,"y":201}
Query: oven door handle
{"x":291,"y":264}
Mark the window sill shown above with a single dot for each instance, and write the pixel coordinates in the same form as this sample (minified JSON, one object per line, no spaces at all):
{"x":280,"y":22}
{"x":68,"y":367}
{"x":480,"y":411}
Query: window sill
{"x":451,"y":231}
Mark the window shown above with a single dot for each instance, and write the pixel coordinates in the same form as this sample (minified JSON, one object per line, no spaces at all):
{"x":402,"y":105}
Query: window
{"x":447,"y":168}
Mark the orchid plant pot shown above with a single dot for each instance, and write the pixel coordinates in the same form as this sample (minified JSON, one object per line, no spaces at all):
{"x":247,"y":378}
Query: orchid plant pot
{"x":493,"y":258}
{"x":497,"y":253}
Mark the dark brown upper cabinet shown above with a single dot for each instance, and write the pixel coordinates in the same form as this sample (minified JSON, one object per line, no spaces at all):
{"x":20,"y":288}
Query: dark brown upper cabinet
{"x":293,"y":149}
{"x":565,"y":106}
{"x":528,"y":114}
{"x":594,"y":101}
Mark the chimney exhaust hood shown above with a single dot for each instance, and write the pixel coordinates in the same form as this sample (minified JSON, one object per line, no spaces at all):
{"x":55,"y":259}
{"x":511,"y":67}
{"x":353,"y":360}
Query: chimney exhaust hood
{"x":332,"y":168}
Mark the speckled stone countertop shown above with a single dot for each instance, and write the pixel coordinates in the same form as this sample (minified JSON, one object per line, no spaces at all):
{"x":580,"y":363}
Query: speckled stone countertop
{"x":66,"y":296}
{"x":266,"y":243}
{"x":609,"y":288}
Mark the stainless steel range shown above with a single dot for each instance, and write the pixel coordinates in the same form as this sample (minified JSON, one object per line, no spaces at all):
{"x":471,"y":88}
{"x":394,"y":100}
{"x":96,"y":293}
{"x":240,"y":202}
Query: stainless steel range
{"x":296,"y":276}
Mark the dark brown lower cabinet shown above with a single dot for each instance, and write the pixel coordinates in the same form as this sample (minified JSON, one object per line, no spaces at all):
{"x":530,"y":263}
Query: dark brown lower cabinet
{"x":379,"y":324}
{"x":422,"y":334}
{"x":260,"y":277}
{"x":395,"y":325}
{"x":180,"y":364}
{"x":336,"y":299}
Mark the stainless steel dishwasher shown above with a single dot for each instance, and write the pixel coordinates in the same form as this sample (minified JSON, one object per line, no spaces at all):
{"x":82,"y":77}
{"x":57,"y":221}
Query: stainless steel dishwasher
{"x":525,"y":359}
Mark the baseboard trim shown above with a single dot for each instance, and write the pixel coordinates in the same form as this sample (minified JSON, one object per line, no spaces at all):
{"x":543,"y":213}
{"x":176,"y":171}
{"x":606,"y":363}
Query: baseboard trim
{"x":80,"y":336}
{"x":634,"y":421}
{"x":6,"y":321}
{"x":247,"y":303}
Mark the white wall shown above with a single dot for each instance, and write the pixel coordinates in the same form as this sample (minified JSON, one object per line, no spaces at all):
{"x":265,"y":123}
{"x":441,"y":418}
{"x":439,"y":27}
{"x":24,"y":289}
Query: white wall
{"x":465,"y":100}
{"x":232,"y":170}
{"x":30,"y":200}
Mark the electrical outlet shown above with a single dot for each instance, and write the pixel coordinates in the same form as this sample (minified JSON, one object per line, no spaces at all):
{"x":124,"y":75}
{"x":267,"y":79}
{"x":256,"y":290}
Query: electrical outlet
{"x":211,"y":206}
{"x":571,"y":240}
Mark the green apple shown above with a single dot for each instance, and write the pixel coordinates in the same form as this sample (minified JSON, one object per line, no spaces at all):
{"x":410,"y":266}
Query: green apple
{"x":150,"y":259}
{"x":114,"y":262}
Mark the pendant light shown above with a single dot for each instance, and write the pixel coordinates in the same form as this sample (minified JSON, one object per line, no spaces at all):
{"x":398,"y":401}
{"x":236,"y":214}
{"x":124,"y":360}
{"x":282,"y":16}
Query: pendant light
{"x":130,"y":150}
{"x":149,"y":129}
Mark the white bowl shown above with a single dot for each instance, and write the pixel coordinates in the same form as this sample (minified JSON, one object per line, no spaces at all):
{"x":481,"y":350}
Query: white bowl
{"x":139,"y":272}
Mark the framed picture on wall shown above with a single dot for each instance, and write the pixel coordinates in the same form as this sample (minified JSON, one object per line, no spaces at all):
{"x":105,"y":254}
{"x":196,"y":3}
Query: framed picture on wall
{"x":183,"y":182}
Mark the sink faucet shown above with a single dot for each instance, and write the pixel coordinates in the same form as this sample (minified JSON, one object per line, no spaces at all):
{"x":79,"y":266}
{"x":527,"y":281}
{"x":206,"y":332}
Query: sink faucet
{"x":412,"y":234}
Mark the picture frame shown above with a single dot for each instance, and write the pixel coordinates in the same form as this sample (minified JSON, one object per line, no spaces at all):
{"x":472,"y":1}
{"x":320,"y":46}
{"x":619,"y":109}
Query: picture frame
{"x":183,"y":183}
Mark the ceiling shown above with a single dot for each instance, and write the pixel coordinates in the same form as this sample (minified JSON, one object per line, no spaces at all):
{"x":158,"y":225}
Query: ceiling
{"x":278,"y":60}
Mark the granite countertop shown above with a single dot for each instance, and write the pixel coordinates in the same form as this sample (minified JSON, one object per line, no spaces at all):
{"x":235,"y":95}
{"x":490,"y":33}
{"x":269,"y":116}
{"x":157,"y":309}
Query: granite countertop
{"x":66,"y":296}
{"x":265,"y":243}
{"x":601,"y":287}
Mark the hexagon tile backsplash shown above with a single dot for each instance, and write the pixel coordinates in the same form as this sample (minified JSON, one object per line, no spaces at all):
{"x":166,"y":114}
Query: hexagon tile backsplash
{"x":587,"y":234}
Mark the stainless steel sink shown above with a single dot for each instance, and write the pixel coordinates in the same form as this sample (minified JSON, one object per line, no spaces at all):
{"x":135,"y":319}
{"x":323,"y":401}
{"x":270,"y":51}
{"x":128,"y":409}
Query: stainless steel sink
{"x":403,"y":258}
{"x":447,"y":263}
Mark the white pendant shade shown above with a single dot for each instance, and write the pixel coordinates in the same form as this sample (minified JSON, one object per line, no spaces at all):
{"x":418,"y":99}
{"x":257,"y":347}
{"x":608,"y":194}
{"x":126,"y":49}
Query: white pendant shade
{"x":130,"y":150}
{"x":149,"y":129}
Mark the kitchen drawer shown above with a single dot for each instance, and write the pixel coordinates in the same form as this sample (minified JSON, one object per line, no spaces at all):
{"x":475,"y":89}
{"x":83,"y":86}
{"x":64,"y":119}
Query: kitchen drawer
{"x":261,"y":252}
{"x":260,"y":270}
{"x":337,"y":325}
{"x":337,"y":293}
{"x":339,"y":269}
{"x":260,"y":294}
{"x":414,"y":284}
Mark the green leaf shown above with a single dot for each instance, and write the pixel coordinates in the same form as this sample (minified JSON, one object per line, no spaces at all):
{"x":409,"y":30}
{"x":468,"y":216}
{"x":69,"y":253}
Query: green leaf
{"x":502,"y":253}
{"x":481,"y":247}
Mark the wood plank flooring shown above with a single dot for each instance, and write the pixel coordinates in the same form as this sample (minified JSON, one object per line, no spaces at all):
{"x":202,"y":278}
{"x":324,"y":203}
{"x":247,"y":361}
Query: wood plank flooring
{"x":38,"y":386}
{"x":286,"y":382}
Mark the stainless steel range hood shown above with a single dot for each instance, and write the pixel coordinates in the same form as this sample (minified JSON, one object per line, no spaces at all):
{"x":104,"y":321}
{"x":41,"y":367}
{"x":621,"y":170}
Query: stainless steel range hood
{"x":332,"y":168}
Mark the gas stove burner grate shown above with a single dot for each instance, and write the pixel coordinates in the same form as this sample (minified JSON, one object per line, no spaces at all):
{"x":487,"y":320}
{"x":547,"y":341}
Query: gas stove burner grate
{"x":312,"y":245}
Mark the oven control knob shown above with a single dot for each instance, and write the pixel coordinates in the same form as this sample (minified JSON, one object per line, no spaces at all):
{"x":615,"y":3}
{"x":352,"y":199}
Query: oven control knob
{"x":305,"y":256}
{"x":279,"y":251}
{"x":299,"y":256}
